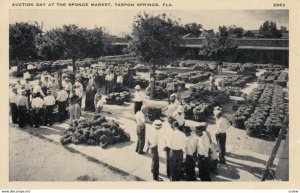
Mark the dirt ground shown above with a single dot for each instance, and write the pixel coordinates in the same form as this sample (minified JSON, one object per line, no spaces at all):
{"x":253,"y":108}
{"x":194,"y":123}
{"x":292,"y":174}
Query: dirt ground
{"x":34,"y":159}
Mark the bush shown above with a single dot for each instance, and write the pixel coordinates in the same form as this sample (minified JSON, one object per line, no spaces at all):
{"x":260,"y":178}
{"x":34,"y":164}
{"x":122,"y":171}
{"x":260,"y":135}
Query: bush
{"x":152,"y":113}
{"x":93,"y":131}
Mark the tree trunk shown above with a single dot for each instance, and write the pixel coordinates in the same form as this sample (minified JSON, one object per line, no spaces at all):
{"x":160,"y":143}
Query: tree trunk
{"x":154,"y":77}
{"x":73,"y":64}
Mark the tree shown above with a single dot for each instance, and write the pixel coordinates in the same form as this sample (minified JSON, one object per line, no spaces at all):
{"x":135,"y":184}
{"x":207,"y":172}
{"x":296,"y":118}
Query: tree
{"x":22,"y":40}
{"x":269,"y":30}
{"x":218,"y":45}
{"x":98,"y":43}
{"x":237,"y":31}
{"x":192,"y":28}
{"x":156,"y":40}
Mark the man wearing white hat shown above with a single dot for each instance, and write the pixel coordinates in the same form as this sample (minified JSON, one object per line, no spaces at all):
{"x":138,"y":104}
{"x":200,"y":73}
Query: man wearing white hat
{"x":37,"y":105}
{"x":152,"y":142}
{"x":222,"y":124}
{"x":173,"y":105}
{"x":138,"y":99}
{"x":178,"y":115}
{"x":177,"y":146}
{"x":203,"y":152}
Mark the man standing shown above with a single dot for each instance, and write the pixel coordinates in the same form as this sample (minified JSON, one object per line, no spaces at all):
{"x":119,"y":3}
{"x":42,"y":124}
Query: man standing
{"x":222,"y":124}
{"x":138,"y":99}
{"x":152,"y":142}
{"x":62,"y":97}
{"x":178,"y":115}
{"x":177,"y":145}
{"x":37,"y":110}
{"x":13,"y":100}
{"x":169,"y":132}
{"x":27,"y":89}
{"x":67,"y":85}
{"x":141,"y":131}
{"x":37,"y":89}
{"x":190,"y":154}
{"x":203,"y":152}
{"x":49,"y":102}
{"x":109,"y":82}
{"x":23,"y":107}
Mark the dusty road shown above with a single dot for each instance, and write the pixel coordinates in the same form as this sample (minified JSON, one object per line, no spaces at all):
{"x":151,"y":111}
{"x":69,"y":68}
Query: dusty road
{"x":34,"y":159}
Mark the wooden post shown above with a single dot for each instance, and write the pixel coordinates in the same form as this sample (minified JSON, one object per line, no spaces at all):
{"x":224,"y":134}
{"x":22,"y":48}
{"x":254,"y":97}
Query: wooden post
{"x":273,"y":154}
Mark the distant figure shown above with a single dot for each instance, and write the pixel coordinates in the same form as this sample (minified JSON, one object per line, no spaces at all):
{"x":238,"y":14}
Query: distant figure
{"x":138,"y":99}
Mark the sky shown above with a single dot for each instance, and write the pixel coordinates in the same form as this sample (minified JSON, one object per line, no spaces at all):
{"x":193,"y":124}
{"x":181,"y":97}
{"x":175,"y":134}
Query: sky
{"x":118,"y":22}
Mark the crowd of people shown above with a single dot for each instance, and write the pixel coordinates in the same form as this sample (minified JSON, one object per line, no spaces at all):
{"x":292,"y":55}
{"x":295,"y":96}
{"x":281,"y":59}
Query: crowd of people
{"x":184,"y":150}
{"x":46,"y":98}
{"x":34,"y":101}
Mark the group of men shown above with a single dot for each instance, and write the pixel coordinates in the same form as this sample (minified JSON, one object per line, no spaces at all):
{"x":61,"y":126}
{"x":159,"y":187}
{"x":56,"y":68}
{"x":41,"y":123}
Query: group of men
{"x":33,"y":102}
{"x":184,"y":149}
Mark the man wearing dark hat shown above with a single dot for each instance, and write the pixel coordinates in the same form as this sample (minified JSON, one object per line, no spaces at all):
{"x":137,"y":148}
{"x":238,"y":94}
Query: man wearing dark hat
{"x":222,"y":124}
{"x":37,"y":104}
{"x":13,"y":100}
{"x":152,"y":142}
{"x":203,"y":152}
{"x":49,"y":102}
{"x":190,"y":154}
{"x":62,"y":100}
{"x":23,"y":107}
{"x":177,"y":145}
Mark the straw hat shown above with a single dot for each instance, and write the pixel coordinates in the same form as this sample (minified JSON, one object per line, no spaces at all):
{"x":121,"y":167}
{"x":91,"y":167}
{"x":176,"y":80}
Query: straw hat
{"x":137,"y":87}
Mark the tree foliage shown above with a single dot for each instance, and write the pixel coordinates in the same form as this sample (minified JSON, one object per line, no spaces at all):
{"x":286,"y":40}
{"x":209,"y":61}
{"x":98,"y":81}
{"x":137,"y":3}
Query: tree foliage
{"x":269,"y":30}
{"x":22,"y":40}
{"x":192,"y":28}
{"x":71,"y":41}
{"x":218,"y":45}
{"x":156,"y":39}
{"x":237,"y":31}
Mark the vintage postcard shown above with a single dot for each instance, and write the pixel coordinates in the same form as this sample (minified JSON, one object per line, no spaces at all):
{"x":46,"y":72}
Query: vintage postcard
{"x":149,"y":94}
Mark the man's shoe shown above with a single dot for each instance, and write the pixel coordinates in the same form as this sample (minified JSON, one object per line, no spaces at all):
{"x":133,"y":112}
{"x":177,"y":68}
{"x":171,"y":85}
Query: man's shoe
{"x":158,"y":179}
{"x":141,"y":152}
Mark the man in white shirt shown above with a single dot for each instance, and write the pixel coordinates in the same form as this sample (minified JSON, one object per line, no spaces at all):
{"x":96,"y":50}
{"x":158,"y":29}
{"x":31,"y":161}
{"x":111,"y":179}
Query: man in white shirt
{"x":222,"y":124}
{"x":67,"y":85}
{"x":203,"y":152}
{"x":26,"y":75}
{"x":138,"y":99}
{"x":37,"y":104}
{"x":178,"y":115}
{"x":27,"y":89}
{"x":49,"y":102}
{"x":79,"y":91}
{"x":177,"y":146}
{"x":109,"y":82}
{"x":37,"y":89}
{"x":173,"y":105}
{"x":190,"y":154}
{"x":167,"y":139}
{"x":13,"y":103}
{"x":152,"y":142}
{"x":62,"y":97}
{"x":141,"y":131}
